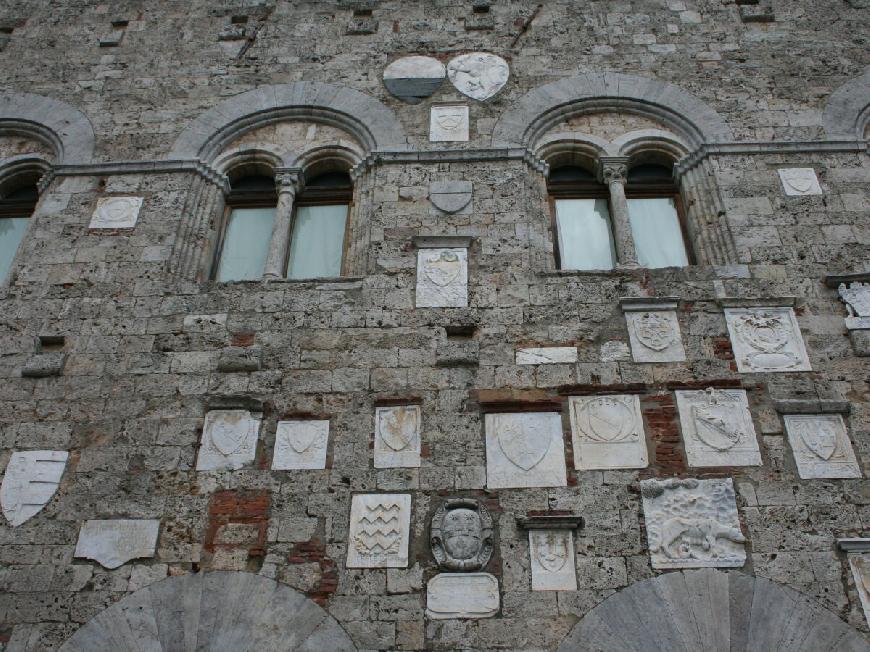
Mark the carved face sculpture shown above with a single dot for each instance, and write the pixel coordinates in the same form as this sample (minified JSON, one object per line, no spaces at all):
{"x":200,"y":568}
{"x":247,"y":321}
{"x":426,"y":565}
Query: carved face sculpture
{"x":462,"y":533}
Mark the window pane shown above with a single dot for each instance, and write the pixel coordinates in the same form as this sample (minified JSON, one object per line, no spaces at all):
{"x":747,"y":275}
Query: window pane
{"x":11,"y":232}
{"x":585,"y":240}
{"x":657,"y":235}
{"x":246,"y":243}
{"x":317,"y":242}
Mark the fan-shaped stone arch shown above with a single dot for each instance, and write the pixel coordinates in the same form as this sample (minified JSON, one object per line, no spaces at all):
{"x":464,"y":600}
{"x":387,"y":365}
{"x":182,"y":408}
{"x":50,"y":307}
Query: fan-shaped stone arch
{"x":212,"y":612}
{"x":714,"y":611}
{"x":847,"y":113}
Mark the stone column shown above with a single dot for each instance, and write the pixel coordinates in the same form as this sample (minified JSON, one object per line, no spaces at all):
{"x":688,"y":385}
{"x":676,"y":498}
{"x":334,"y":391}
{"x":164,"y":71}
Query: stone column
{"x":613,"y":171}
{"x":288,"y":182}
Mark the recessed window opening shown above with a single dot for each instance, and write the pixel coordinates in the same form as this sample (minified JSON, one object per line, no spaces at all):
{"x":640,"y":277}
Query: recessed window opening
{"x":655,"y":214}
{"x":18,"y":199}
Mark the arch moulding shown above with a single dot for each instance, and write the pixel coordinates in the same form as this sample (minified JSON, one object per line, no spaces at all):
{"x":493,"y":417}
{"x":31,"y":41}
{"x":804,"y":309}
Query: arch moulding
{"x":847,"y":113}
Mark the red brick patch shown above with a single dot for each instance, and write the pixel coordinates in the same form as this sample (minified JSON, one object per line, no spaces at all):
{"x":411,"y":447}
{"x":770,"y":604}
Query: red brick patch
{"x":238,"y":519}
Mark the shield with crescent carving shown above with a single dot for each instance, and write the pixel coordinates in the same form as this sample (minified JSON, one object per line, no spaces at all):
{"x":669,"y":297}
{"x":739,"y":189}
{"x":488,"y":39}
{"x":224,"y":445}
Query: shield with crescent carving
{"x":523,"y":446}
{"x":820,"y":436}
{"x":655,"y":331}
{"x":442,"y":267}
{"x":397,"y":426}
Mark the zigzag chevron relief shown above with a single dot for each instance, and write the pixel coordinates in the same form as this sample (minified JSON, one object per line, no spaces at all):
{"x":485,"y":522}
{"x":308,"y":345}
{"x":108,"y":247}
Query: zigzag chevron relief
{"x":380,"y":525}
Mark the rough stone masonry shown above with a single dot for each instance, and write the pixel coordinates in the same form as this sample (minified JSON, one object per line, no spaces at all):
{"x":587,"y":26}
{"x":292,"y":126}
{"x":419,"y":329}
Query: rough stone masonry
{"x":644,"y":457}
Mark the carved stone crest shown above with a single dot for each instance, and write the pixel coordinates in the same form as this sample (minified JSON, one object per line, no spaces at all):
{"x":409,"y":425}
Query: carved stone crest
{"x":301,"y":444}
{"x":448,"y":123}
{"x":766,"y":340}
{"x":552,"y":557}
{"x":653,"y":329}
{"x":442,"y":278}
{"x":479,"y":75}
{"x":607,"y":432}
{"x":379,"y":531}
{"x":229,"y":440}
{"x":461,"y":535}
{"x":521,"y":444}
{"x":525,"y":450}
{"x":116,"y":213}
{"x":397,"y":436}
{"x":821,"y":446}
{"x":450,"y":196}
{"x":799,"y":181}
{"x":414,"y":78}
{"x":31,"y":479}
{"x":857,"y":298}
{"x":717,"y":428}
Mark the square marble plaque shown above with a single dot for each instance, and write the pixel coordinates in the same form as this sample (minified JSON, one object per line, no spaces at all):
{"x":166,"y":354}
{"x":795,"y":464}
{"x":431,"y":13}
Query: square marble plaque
{"x":462,"y":595}
{"x":397,"y":436}
{"x":380,"y":529}
{"x":766,"y":340}
{"x":547,"y":355}
{"x":655,"y":336}
{"x":717,"y":428}
{"x":301,"y":444}
{"x":448,"y":122}
{"x":525,"y":449}
{"x":552,"y":560}
{"x":860,"y":566}
{"x":116,"y":213}
{"x":442,"y":278}
{"x":115,"y":542}
{"x":607,"y":432}
{"x":821,"y":446}
{"x":692,"y":523}
{"x":797,"y":182}
{"x":229,"y":440}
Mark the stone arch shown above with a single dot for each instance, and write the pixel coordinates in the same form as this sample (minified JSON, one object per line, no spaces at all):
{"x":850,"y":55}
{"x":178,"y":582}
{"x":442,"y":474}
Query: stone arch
{"x":545,"y":106}
{"x":65,"y":129}
{"x":847,"y":113}
{"x":710,"y":610}
{"x":371,"y":123}
{"x":219,"y":612}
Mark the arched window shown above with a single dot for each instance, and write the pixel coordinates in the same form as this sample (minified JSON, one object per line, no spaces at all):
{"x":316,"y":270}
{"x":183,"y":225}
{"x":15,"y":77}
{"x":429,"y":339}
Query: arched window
{"x":655,"y":214}
{"x":18,"y":199}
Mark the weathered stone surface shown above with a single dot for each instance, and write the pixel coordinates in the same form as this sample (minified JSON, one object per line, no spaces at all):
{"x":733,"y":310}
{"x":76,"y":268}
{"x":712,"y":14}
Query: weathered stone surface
{"x":461,"y":535}
{"x":397,"y":436}
{"x":240,"y":359}
{"x":30,"y":480}
{"x":552,"y":560}
{"x":462,"y":595}
{"x":547,"y":355}
{"x":766,"y":340}
{"x":380,"y":528}
{"x":448,"y":123}
{"x":717,"y":428}
{"x":229,"y":440}
{"x":479,"y":75}
{"x":116,"y":213}
{"x":301,"y":444}
{"x":442,"y":278}
{"x":860,"y":566}
{"x":42,"y":365}
{"x":821,"y":446}
{"x":607,"y":432}
{"x":112,"y":543}
{"x":524,"y":450}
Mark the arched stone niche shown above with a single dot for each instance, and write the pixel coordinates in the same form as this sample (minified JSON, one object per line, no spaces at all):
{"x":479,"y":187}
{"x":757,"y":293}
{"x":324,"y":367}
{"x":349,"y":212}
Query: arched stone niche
{"x":218,"y":612}
{"x":710,"y":610}
{"x":847,"y":113}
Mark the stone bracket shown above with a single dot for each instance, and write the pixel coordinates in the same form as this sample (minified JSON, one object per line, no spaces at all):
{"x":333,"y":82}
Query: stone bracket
{"x":854,"y":544}
{"x":551,"y":522}
{"x":647,"y":304}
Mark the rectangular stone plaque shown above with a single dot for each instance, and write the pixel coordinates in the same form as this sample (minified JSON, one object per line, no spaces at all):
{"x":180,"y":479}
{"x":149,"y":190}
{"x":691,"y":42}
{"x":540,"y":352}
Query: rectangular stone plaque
{"x":462,"y":595}
{"x":692,"y":523}
{"x":380,"y":529}
{"x":442,"y":278}
{"x":547,"y":355}
{"x":717,"y":428}
{"x":821,"y":446}
{"x":448,"y":123}
{"x":397,"y":436}
{"x":116,"y":213}
{"x":860,"y":565}
{"x":115,"y":542}
{"x":229,"y":440}
{"x":301,"y":444}
{"x":766,"y":340}
{"x":655,"y":336}
{"x":607,"y":432}
{"x":552,"y":560}
{"x":797,"y":182}
{"x":525,"y":449}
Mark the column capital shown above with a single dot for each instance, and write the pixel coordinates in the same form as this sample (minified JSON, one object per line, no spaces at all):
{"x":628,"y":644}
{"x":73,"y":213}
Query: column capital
{"x":613,"y":169}
{"x":288,"y":180}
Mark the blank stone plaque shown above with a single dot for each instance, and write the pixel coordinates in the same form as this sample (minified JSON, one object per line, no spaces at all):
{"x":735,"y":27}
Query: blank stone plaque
{"x":448,"y":123}
{"x":380,"y":526}
{"x":821,"y":446}
{"x":607,"y":432}
{"x":766,"y":340}
{"x":113,"y":543}
{"x":547,"y":355}
{"x":229,"y":440}
{"x":301,"y":444}
{"x":397,"y":436}
{"x":462,"y":595}
{"x":717,"y":428}
{"x":552,"y":560}
{"x":524,"y":449}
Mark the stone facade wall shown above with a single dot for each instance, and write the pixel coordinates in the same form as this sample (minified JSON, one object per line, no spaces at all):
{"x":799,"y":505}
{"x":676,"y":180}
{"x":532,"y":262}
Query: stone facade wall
{"x":145,"y":333}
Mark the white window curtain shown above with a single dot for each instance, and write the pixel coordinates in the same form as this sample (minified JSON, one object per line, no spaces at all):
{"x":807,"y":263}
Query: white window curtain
{"x":11,"y":232}
{"x":317,"y":241}
{"x":658,"y":238}
{"x":585,"y":234}
{"x":246,"y":243}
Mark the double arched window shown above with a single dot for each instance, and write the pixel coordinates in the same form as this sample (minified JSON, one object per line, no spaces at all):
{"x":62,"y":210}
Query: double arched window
{"x":18,"y":197}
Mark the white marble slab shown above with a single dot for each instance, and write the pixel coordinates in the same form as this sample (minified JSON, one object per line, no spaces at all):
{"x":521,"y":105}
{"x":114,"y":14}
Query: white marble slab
{"x":692,"y":523}
{"x":797,"y":182}
{"x":116,"y":213}
{"x":229,"y":440}
{"x":655,"y":336}
{"x":860,"y":566}
{"x":717,"y":428}
{"x":113,"y":543}
{"x":766,"y":340}
{"x":397,"y":436}
{"x":552,"y":560}
{"x":448,"y":123}
{"x":547,"y":355}
{"x":31,"y":479}
{"x":821,"y":446}
{"x":525,"y":449}
{"x":479,"y":75}
{"x":380,"y":530}
{"x":462,"y":595}
{"x":301,"y":444}
{"x":442,"y":278}
{"x":607,"y":432}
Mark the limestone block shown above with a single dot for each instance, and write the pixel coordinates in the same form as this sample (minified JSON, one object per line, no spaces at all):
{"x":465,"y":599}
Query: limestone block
{"x":607,"y":432}
{"x":301,"y":444}
{"x":821,"y":446}
{"x":397,"y":436}
{"x":229,"y":440}
{"x":655,"y":336}
{"x":462,"y":595}
{"x":860,"y":342}
{"x":552,"y":560}
{"x":448,"y":123}
{"x":442,"y":278}
{"x":113,"y":543}
{"x":42,"y":365}
{"x":547,"y":355}
{"x":766,"y":340}
{"x":692,"y":523}
{"x":860,"y":567}
{"x":31,"y":479}
{"x":524,"y":450}
{"x":717,"y":428}
{"x":116,"y":213}
{"x":380,"y":529}
{"x":479,"y":75}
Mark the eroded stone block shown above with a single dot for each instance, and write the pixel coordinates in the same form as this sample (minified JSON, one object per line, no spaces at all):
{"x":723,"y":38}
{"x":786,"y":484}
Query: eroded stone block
{"x":766,"y":340}
{"x":31,"y":479}
{"x":113,"y":543}
{"x":462,"y":595}
{"x":442,"y":278}
{"x":42,"y":365}
{"x":448,"y":123}
{"x":607,"y":432}
{"x":229,"y":440}
{"x":240,"y":359}
{"x":380,"y":526}
{"x":547,"y":355}
{"x":301,"y":444}
{"x":552,"y":560}
{"x":116,"y":213}
{"x":717,"y":428}
{"x":821,"y":446}
{"x":524,"y":449}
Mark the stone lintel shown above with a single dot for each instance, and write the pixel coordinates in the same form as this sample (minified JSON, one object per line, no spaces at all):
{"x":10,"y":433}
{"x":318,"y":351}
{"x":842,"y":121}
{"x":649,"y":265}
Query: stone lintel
{"x":757,"y":302}
{"x":442,"y":241}
{"x":235,"y":402}
{"x":811,"y":406}
{"x":550,"y":522}
{"x":645,"y":304}
{"x":854,"y":544}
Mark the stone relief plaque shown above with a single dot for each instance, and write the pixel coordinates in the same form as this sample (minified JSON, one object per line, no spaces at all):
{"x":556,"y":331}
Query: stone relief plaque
{"x":116,"y":213}
{"x":397,"y":436}
{"x":380,"y":529}
{"x":821,"y":446}
{"x":114,"y":543}
{"x":692,"y":523}
{"x":31,"y":479}
{"x":229,"y":440}
{"x":461,"y":535}
{"x":607,"y":432}
{"x":414,"y":78}
{"x":450,"y":196}
{"x":717,"y":428}
{"x":301,"y":444}
{"x":860,"y":566}
{"x":462,"y":595}
{"x":799,"y":181}
{"x":857,"y":300}
{"x":766,"y":340}
{"x":524,"y":449}
{"x":479,"y":75}
{"x":552,"y":560}
{"x":442,"y":278}
{"x":655,"y":336}
{"x":547,"y":355}
{"x":448,"y":123}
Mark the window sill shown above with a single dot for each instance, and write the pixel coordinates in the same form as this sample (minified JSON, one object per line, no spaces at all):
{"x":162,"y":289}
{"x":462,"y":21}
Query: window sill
{"x":266,"y":282}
